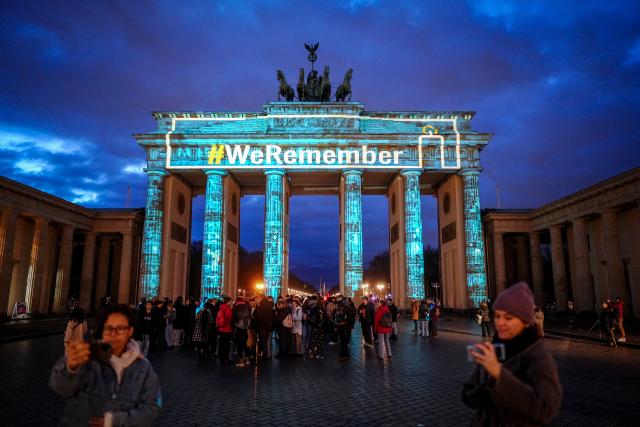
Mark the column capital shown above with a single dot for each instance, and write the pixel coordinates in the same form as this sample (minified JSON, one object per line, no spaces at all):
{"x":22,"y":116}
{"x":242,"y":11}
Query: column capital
{"x":579,"y":220}
{"x":280,"y":172}
{"x":41,"y":221}
{"x":411,"y":172}
{"x":352,"y":172}
{"x":610,"y":212}
{"x":556,"y":227}
{"x":215,"y":172}
{"x":155,"y":171}
{"x":67,"y":231}
{"x":90,"y":233}
{"x":469,"y":172}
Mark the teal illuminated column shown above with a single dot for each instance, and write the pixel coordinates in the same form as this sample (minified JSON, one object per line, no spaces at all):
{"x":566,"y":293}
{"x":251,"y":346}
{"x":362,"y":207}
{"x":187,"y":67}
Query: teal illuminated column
{"x":213,"y":236}
{"x":352,"y":231}
{"x":152,"y":237}
{"x":274,"y":232}
{"x":414,"y":251}
{"x":474,"y":244}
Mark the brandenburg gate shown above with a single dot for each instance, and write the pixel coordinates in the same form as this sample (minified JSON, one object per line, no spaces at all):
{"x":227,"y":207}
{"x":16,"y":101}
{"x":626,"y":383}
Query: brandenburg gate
{"x":305,"y":148}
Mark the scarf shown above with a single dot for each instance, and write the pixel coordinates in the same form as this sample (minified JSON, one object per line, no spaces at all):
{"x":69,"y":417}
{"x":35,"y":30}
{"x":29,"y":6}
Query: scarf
{"x":130,"y":354}
{"x":519,"y":343}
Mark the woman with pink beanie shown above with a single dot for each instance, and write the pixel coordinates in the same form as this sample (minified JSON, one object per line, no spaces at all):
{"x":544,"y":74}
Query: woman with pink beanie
{"x":524,"y":389}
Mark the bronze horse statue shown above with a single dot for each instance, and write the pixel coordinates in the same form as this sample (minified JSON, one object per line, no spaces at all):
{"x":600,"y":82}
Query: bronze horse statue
{"x":326,"y":86}
{"x":284,"y":90}
{"x":300,"y":87}
{"x":344,"y":89}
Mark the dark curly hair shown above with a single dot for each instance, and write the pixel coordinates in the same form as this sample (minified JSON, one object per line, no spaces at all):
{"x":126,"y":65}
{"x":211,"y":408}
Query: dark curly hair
{"x":113,"y":309}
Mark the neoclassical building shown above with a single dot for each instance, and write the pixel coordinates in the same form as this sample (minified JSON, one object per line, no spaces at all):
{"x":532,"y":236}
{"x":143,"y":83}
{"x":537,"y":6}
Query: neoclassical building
{"x":52,"y":250}
{"x":307,"y":148}
{"x":579,"y":250}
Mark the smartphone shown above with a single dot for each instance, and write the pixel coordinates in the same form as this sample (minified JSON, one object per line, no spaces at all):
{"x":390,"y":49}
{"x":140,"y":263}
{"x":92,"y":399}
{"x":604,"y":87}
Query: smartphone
{"x":501,"y":352}
{"x":100,"y":350}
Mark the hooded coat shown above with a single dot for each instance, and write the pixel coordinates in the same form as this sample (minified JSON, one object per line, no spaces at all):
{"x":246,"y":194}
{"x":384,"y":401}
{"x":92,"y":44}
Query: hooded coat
{"x":527,"y":392}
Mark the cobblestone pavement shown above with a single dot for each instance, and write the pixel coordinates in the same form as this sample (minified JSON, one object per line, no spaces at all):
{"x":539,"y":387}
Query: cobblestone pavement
{"x":420,"y":387}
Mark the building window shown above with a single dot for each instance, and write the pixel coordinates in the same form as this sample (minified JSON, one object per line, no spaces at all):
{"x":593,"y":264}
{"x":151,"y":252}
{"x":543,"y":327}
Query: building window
{"x":181,"y":203}
{"x":446,"y":203}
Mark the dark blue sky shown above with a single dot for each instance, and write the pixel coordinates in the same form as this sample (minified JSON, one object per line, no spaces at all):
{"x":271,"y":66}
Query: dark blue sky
{"x":557,"y":82}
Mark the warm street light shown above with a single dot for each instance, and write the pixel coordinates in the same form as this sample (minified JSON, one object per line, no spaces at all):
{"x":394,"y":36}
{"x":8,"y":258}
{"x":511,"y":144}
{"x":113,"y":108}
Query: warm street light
{"x":259,"y":286}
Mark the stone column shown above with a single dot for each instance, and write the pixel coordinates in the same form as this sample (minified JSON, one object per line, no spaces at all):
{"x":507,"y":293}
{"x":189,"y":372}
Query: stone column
{"x":7,"y":239}
{"x":86,"y":278}
{"x":537,"y":273}
{"x":63,"y":274}
{"x":274,"y":232}
{"x":124,"y":284}
{"x":103,"y":268}
{"x":613,"y":256}
{"x":37,"y":263}
{"x":212,"y":278}
{"x":522,"y":260}
{"x":352,"y":235}
{"x":559,"y":273}
{"x":498,"y":261}
{"x":583,"y":286}
{"x":413,"y":245}
{"x":474,"y":243}
{"x":152,"y":236}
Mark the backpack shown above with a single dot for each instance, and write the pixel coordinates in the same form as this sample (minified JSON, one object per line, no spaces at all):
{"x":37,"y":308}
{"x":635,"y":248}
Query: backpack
{"x":385,"y":320}
{"x":340,"y":317}
{"x":287,"y":322}
{"x":219,"y":319}
{"x":243,"y":318}
{"x":316,"y":316}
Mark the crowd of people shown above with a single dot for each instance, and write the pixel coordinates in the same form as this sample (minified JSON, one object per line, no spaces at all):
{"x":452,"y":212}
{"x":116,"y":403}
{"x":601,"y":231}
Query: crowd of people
{"x":107,"y":379}
{"x":242,"y":331}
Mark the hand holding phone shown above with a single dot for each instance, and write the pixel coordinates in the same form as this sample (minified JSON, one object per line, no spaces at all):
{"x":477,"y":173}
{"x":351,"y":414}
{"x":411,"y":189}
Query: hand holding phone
{"x":486,"y":355}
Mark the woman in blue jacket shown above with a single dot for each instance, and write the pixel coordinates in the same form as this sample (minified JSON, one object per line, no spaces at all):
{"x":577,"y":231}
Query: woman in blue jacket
{"x":108,"y":383}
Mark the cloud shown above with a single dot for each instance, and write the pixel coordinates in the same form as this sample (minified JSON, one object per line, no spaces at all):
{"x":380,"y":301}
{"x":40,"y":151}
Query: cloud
{"x":33,"y":166}
{"x":23,"y":140}
{"x":83,"y":196}
{"x":135,"y":168}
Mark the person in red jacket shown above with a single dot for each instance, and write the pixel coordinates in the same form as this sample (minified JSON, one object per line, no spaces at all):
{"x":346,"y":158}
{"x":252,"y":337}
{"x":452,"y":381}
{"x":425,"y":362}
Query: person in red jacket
{"x":382,"y":325}
{"x":225,"y":328}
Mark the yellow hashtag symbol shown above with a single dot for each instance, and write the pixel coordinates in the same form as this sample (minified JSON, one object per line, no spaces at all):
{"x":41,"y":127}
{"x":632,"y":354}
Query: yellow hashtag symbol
{"x":216,"y":154}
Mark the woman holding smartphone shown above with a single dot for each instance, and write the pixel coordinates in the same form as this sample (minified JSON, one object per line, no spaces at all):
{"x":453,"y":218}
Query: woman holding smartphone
{"x":108,"y":383}
{"x":524,"y":389}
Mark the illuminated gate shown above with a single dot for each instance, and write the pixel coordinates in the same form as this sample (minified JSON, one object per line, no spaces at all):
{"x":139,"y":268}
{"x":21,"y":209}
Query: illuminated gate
{"x":313,"y":148}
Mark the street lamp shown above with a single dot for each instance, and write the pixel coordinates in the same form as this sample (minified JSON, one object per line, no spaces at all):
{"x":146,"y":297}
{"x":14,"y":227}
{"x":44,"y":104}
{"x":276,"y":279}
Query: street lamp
{"x":380,"y":288}
{"x":260,"y":286}
{"x":365,"y":287}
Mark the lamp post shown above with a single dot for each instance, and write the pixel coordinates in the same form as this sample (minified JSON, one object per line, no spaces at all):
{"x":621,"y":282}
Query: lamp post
{"x":380,"y":288}
{"x":365,"y":288}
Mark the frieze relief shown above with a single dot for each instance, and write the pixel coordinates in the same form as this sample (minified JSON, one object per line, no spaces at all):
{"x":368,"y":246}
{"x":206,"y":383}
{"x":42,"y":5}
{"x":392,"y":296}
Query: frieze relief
{"x":337,"y":123}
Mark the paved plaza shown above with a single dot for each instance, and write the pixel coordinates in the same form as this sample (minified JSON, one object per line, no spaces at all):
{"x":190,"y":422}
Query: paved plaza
{"x":420,"y":387}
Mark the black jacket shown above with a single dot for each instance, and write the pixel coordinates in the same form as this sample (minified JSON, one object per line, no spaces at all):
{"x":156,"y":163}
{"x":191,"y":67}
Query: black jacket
{"x":263,"y":316}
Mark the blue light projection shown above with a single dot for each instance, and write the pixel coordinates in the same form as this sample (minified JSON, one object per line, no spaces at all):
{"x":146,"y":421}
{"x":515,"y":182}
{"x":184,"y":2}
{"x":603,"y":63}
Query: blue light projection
{"x":274,"y":232}
{"x":353,"y":268}
{"x":476,"y":278}
{"x":152,"y":237}
{"x":414,"y":251}
{"x":213,"y":237}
